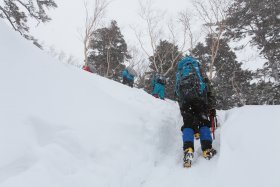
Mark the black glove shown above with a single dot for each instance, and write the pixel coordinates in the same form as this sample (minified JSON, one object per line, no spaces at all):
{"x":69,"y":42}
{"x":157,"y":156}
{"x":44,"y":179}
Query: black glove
{"x":212,"y":112}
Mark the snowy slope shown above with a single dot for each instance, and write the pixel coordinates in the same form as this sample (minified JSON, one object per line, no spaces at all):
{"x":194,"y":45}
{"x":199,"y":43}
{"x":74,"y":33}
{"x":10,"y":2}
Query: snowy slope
{"x":64,"y":127}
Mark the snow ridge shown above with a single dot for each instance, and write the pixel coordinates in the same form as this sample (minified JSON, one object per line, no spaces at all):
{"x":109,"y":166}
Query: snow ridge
{"x":61,"y":126}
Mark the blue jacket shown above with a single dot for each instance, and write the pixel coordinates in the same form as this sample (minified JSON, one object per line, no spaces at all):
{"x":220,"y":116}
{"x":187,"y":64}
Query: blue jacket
{"x":197,"y":70}
{"x":128,"y":76}
{"x":158,"y":89}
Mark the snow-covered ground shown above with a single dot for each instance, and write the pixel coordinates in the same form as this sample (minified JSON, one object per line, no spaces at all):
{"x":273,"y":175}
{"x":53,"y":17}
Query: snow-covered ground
{"x":64,"y":127}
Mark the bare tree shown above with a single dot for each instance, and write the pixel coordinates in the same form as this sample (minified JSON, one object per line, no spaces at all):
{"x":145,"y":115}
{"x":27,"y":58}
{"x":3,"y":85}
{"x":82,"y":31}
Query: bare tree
{"x":185,"y":20}
{"x":137,"y":58}
{"x":152,"y":19}
{"x":92,"y":21}
{"x":62,"y":56}
{"x":52,"y":51}
{"x":185,"y":30}
{"x":213,"y":14}
{"x":110,"y":71}
{"x":71,"y":60}
{"x":154,"y":25}
{"x":236,"y":88}
{"x":138,"y":63}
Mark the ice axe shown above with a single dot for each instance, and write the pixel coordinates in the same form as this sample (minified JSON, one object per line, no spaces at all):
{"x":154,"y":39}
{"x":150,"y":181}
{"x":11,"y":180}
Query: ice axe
{"x":214,"y":123}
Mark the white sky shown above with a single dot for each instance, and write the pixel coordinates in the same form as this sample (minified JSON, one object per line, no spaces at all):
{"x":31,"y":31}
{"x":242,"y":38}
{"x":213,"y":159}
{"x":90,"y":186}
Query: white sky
{"x":63,"y":31}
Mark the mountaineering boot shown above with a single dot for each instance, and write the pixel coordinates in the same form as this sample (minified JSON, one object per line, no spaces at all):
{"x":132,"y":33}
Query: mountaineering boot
{"x":188,"y":157}
{"x":196,"y":136}
{"x":209,"y":153}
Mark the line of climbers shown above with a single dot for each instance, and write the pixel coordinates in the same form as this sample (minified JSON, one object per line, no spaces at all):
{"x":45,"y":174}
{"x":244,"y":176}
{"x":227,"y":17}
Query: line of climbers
{"x":196,"y":101}
{"x":157,"y":84}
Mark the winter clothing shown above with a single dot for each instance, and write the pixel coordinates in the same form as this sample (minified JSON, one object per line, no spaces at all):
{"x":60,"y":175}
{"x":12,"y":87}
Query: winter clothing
{"x":126,"y":75}
{"x":191,"y":91}
{"x":195,"y":119}
{"x":188,"y":157}
{"x":86,"y":68}
{"x":196,"y":135}
{"x":90,"y":68}
{"x":186,"y":67}
{"x":127,"y":78}
{"x":188,"y":135}
{"x":158,"y":91}
{"x":209,"y":153}
{"x":158,"y":87}
{"x":131,"y":71}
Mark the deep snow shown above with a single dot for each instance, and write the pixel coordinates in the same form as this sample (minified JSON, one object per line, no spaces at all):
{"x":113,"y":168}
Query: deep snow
{"x":64,"y":127}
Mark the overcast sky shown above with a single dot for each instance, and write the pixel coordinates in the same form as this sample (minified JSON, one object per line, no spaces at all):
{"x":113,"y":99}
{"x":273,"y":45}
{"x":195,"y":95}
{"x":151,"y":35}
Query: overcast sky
{"x":63,"y":31}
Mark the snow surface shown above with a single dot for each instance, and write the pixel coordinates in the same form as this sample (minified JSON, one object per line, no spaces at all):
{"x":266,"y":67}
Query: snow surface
{"x":64,"y":127}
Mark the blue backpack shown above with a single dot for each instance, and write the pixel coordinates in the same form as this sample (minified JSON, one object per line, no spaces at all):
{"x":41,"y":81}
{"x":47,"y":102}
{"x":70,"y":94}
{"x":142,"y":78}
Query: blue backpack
{"x":189,"y":82}
{"x":127,"y":75}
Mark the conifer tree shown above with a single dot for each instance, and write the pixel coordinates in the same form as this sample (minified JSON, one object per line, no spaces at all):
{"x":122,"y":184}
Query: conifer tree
{"x":18,"y":13}
{"x":259,"y":20}
{"x":166,"y":56}
{"x":108,"y":51}
{"x":230,"y":82}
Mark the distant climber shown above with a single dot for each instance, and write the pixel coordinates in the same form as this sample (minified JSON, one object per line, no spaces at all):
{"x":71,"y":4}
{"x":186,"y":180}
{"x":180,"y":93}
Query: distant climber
{"x":158,"y":86}
{"x":128,"y":76}
{"x":90,"y":68}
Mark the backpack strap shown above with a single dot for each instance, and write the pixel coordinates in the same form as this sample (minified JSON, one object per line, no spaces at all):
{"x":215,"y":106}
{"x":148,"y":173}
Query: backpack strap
{"x":202,"y":86}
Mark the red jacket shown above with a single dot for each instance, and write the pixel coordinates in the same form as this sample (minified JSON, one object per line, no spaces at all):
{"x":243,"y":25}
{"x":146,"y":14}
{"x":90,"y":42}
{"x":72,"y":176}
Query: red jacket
{"x":86,"y":68}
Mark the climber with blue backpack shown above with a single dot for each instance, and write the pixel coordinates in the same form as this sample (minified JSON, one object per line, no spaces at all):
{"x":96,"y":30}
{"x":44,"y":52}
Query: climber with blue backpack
{"x":191,"y":92}
{"x":158,"y":86}
{"x":128,"y":75}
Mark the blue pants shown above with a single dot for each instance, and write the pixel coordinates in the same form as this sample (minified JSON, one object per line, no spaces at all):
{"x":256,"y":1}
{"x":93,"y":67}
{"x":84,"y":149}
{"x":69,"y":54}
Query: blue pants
{"x":205,"y":138}
{"x":195,"y":119}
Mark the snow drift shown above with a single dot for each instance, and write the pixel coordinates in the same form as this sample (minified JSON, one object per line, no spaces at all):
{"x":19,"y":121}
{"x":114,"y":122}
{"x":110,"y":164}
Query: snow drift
{"x":64,"y":127}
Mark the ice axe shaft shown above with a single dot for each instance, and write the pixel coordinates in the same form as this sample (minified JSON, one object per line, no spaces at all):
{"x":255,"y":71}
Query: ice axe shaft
{"x":213,"y":126}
